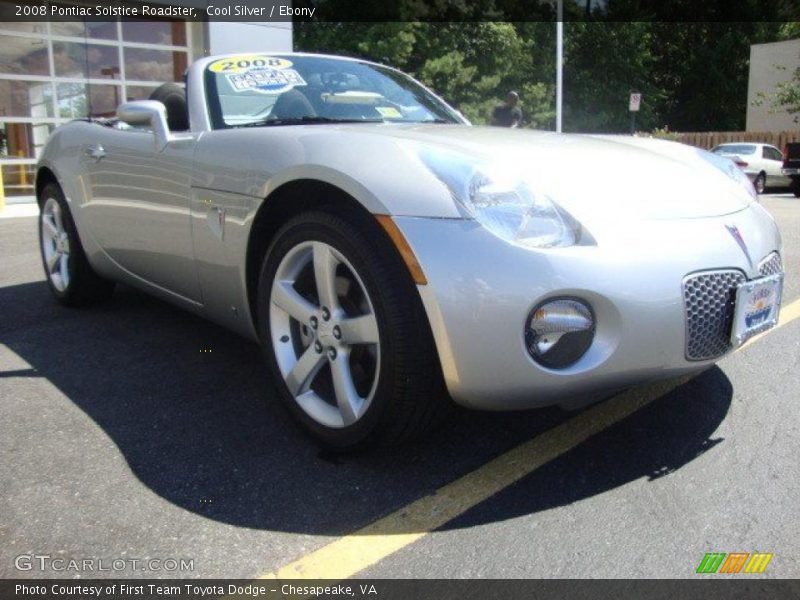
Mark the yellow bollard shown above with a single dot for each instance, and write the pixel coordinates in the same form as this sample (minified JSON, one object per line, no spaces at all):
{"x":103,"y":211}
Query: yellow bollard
{"x":23,"y":171}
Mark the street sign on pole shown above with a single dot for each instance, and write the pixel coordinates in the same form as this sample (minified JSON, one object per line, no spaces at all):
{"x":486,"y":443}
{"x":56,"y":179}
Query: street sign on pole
{"x":635,"y":102}
{"x":633,"y":106}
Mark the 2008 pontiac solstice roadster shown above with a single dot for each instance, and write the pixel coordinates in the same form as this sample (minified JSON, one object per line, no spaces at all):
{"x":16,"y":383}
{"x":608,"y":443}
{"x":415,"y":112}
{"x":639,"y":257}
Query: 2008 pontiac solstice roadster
{"x":389,"y":256}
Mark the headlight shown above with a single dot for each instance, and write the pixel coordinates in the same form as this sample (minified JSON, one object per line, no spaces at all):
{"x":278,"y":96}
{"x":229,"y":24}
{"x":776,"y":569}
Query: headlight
{"x":503,"y":202}
{"x":514,"y":212}
{"x":730,"y":168}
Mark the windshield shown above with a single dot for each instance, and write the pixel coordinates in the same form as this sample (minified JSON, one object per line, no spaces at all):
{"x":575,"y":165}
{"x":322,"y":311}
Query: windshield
{"x":251,"y":90}
{"x":735,"y":149}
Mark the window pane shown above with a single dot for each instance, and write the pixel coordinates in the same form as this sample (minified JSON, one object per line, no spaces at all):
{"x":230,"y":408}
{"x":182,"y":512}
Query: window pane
{"x":25,"y":99}
{"x":104,"y":30}
{"x":80,"y":100}
{"x":98,"y":30}
{"x":23,"y":140}
{"x":82,"y":60}
{"x":154,"y":65}
{"x":69,"y":28}
{"x":23,"y":55}
{"x":168,"y":33}
{"x":25,"y":26}
{"x":72,"y":102}
{"x":105,"y":99}
{"x":18,"y":180}
{"x":139,"y":92}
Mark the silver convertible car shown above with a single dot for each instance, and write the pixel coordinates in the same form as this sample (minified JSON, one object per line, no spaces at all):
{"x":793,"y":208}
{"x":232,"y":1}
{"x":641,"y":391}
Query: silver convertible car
{"x":388,"y":256}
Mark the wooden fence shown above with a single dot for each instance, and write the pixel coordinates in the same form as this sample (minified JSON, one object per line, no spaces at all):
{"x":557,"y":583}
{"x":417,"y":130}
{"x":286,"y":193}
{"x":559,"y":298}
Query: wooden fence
{"x":709,"y":139}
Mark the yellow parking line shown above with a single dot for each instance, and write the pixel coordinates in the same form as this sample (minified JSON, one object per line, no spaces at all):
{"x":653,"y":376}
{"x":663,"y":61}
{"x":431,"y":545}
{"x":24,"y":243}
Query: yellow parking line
{"x":355,"y":552}
{"x":788,"y":313}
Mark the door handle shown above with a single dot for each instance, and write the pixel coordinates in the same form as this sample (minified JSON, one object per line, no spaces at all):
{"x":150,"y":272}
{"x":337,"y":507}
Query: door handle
{"x":95,"y":151}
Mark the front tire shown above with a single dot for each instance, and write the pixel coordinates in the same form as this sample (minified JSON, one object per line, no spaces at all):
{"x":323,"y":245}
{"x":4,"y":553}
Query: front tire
{"x":345,"y":334}
{"x":69,"y":275}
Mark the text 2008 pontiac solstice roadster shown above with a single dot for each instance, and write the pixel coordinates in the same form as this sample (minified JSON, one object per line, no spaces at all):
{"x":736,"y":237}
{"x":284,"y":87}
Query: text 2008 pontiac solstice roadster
{"x":389,"y":256}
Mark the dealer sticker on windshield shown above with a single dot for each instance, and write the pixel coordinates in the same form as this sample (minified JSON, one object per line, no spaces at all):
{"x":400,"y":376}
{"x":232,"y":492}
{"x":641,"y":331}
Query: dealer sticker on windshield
{"x":758,"y":303}
{"x":247,"y":62}
{"x":389,"y":112}
{"x":258,"y":73}
{"x":267,"y":81}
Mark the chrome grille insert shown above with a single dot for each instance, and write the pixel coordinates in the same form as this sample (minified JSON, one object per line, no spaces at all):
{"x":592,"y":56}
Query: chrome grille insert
{"x":709,"y":301}
{"x":771,"y":265}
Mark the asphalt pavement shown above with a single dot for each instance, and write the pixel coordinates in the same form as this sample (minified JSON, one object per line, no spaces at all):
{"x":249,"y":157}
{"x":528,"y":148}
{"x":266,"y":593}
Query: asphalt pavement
{"x":136,"y":431}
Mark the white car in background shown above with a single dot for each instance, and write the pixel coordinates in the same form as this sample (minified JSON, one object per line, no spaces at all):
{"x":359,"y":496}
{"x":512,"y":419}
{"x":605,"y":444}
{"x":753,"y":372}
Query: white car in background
{"x":761,"y":163}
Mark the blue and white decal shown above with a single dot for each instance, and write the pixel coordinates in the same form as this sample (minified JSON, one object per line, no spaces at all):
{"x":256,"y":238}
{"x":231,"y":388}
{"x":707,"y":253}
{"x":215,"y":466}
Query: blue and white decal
{"x":265,"y":80}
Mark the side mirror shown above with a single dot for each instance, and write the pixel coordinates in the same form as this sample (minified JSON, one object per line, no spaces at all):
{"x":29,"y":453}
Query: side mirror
{"x":148,"y":113}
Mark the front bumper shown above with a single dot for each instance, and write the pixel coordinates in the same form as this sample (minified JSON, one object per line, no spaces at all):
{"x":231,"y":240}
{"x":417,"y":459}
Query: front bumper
{"x":481,"y":290}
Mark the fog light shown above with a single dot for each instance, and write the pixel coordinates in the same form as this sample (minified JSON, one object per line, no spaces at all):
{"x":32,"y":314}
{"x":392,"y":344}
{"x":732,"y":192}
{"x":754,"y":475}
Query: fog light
{"x":559,"y":332}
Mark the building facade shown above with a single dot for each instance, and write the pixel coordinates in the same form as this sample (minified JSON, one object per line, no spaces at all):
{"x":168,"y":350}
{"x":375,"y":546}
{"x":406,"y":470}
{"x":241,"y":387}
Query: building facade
{"x":770,"y":64}
{"x":56,"y":71}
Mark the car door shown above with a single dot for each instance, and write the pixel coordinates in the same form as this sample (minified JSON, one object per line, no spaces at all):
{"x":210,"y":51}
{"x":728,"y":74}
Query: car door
{"x":139,"y":206}
{"x":773,"y":162}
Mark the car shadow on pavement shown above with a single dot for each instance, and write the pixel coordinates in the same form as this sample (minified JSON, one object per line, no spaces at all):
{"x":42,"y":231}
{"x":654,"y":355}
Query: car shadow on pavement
{"x":191,"y":408}
{"x":651,"y":444}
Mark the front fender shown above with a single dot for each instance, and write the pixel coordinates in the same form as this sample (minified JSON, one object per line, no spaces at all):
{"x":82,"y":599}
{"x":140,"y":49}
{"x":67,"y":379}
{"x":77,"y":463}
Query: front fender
{"x":377,"y":170}
{"x":62,"y":157}
{"x":324,"y":174}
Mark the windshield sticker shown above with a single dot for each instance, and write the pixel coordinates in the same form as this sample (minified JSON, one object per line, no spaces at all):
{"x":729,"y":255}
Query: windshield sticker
{"x":245,"y":63}
{"x":389,"y":112}
{"x":267,"y":81}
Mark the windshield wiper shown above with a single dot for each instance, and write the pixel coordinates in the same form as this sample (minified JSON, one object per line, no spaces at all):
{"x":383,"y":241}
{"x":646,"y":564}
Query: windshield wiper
{"x":307,"y":120}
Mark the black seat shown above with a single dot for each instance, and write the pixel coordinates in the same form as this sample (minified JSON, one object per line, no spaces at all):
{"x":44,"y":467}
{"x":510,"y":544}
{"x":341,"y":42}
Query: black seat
{"x":173,"y":97}
{"x":292,"y":104}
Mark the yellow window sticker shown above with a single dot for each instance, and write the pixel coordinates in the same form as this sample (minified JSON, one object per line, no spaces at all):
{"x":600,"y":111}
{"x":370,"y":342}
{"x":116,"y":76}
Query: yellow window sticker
{"x":389,"y":112}
{"x":247,"y":62}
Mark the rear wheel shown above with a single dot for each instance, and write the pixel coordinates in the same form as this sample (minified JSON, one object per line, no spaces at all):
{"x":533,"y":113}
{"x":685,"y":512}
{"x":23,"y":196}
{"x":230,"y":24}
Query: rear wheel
{"x":760,"y":183}
{"x":69,"y":275}
{"x":795,"y":187}
{"x":345,"y":334}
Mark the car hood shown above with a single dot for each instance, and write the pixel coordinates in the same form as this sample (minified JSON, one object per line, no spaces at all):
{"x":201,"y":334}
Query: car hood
{"x":595,"y":178}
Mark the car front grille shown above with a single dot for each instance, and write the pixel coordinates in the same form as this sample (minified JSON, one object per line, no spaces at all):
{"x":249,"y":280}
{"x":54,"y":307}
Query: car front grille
{"x":708,"y":301}
{"x":771,"y":265}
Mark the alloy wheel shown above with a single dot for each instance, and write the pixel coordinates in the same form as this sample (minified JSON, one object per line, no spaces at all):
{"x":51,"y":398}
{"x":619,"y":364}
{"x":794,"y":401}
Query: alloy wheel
{"x":324,"y":333}
{"x":55,"y":245}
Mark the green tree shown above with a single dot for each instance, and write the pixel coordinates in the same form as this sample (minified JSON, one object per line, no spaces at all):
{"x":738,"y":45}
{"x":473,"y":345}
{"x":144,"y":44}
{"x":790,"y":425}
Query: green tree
{"x":693,"y":76}
{"x":604,"y":62}
{"x":703,"y":69}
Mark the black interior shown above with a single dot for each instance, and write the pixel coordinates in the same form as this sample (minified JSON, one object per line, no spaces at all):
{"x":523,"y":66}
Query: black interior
{"x":292,"y":104}
{"x":173,"y":97}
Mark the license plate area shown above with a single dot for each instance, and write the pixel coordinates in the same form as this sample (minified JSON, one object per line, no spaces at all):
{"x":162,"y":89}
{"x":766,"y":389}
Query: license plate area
{"x":758,"y":304}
